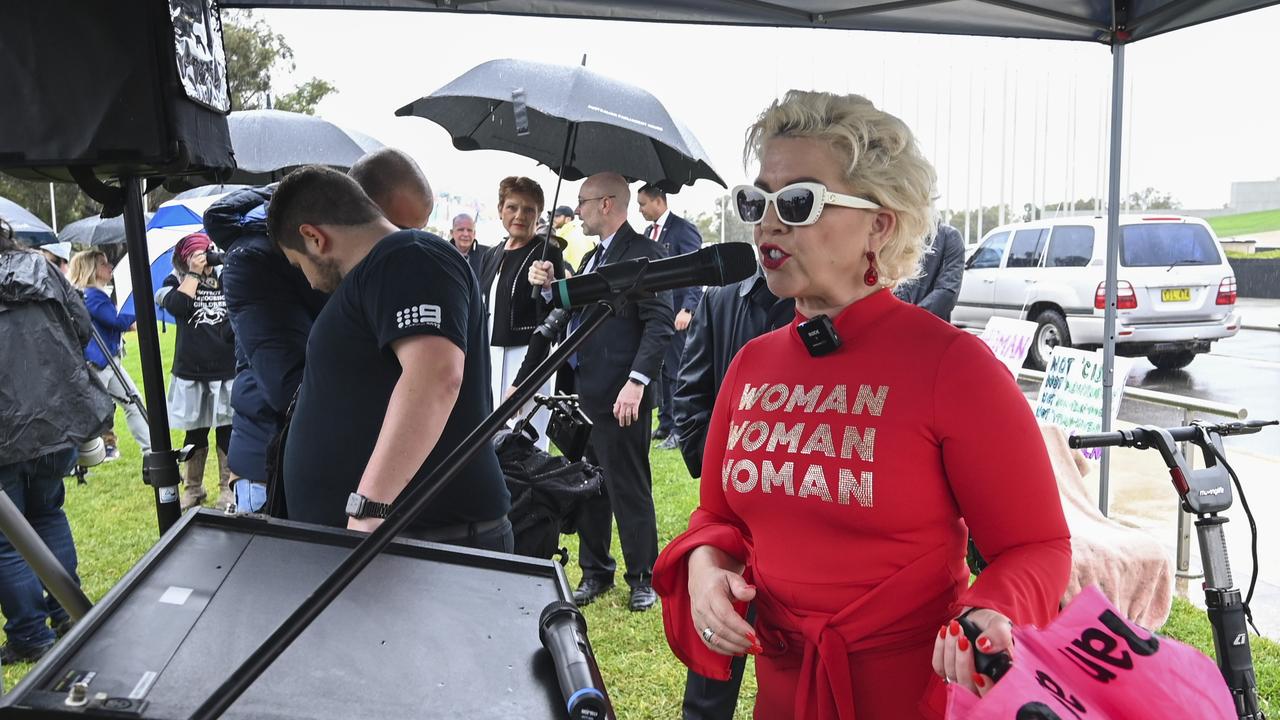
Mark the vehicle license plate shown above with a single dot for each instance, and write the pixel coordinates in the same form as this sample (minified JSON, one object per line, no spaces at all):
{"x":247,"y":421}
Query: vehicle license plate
{"x":1176,"y":295}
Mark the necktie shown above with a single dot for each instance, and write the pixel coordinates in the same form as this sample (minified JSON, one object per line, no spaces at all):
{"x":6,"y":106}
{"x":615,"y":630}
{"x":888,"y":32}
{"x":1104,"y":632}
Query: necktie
{"x":597,"y":259}
{"x":653,"y":233}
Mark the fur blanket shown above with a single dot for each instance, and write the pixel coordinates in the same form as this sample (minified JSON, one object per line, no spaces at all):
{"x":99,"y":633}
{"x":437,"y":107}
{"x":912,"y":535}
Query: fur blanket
{"x":1129,"y":566}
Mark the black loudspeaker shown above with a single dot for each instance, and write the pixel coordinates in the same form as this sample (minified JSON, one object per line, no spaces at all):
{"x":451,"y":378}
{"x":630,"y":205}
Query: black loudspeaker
{"x":427,"y":631}
{"x":126,"y":87}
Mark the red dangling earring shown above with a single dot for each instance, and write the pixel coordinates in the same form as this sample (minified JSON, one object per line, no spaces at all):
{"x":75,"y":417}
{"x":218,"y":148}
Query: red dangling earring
{"x":872,"y":277}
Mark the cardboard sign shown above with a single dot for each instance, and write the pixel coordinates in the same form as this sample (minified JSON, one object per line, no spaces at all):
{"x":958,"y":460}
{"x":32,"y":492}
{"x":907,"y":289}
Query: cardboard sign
{"x":1071,"y":394}
{"x":1010,"y":340}
{"x":1092,"y":664}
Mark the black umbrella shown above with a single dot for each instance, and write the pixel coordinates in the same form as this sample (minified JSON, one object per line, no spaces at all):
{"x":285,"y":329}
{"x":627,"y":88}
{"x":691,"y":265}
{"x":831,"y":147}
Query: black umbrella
{"x":207,"y":190}
{"x":93,"y":230}
{"x":26,"y":226}
{"x":530,"y":108}
{"x":270,"y":143}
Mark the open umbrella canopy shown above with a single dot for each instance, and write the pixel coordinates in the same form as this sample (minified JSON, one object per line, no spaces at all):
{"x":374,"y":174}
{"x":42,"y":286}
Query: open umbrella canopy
{"x":206,"y":190}
{"x":368,"y":143}
{"x":270,"y":143}
{"x":173,"y":221}
{"x":94,"y":230}
{"x":528,"y":108}
{"x":26,"y":227}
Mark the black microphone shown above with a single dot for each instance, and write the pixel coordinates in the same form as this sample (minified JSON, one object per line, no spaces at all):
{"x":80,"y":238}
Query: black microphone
{"x":713,"y":265}
{"x":563,"y":631}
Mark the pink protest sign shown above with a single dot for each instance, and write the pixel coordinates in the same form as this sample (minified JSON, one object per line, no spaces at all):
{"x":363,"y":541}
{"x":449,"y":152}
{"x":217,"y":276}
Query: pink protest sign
{"x":1092,"y":664}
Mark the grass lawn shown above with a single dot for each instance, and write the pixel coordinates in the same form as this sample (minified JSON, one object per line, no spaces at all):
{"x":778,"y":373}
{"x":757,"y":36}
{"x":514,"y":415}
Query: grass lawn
{"x":113,"y":519}
{"x":1259,"y":255}
{"x":1245,"y":223}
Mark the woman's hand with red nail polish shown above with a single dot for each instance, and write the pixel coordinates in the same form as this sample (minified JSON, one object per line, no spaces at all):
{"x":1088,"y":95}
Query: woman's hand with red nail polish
{"x":953,"y":653}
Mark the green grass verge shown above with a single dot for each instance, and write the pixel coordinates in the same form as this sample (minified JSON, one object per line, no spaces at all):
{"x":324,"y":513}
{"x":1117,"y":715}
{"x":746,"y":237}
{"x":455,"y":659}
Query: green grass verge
{"x":1245,"y":223}
{"x":1260,"y":255}
{"x":113,"y":519}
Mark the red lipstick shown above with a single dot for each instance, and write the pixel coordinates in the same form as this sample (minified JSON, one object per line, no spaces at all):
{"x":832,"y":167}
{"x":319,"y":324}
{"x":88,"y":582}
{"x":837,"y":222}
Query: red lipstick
{"x":772,"y":257}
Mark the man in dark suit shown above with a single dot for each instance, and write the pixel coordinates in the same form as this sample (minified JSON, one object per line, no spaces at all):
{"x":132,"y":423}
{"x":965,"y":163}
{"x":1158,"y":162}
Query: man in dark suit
{"x":616,"y":368}
{"x":941,"y":270}
{"x":677,"y":236}
{"x":463,"y":236}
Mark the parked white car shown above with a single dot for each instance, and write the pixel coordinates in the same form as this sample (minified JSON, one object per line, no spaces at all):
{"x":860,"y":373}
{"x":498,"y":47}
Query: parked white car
{"x":1176,"y":293}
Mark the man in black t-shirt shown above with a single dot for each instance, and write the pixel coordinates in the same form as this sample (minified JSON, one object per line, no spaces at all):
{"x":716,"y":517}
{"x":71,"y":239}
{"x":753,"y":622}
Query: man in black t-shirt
{"x":390,"y":387}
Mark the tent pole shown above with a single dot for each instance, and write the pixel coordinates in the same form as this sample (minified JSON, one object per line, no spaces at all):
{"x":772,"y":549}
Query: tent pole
{"x":160,"y":466}
{"x":1113,"y":258}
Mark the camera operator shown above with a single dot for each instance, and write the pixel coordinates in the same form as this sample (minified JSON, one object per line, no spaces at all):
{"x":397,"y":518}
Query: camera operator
{"x":51,"y":406}
{"x":204,"y":364}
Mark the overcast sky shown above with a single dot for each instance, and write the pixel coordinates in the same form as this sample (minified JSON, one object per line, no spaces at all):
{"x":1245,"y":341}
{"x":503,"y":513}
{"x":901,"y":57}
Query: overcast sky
{"x":999,"y":118}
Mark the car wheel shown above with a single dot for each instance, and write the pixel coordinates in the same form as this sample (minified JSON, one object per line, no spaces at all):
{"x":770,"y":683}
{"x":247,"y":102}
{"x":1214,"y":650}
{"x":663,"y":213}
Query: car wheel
{"x":1051,"y":331}
{"x":1172,"y":359}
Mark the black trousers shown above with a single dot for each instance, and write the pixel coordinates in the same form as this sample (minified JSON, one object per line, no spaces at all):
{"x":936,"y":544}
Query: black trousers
{"x":623,"y":455}
{"x":707,"y":699}
{"x":667,"y":385}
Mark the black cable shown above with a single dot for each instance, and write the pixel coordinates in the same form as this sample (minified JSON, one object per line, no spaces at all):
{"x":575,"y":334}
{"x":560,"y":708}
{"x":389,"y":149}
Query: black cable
{"x":1253,"y":531}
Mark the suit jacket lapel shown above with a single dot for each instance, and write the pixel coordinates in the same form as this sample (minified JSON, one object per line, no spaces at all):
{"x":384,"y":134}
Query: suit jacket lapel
{"x":586,"y":260}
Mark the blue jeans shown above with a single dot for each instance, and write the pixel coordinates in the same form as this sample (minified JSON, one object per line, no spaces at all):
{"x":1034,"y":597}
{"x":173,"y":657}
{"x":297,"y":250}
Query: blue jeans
{"x":35,"y":486}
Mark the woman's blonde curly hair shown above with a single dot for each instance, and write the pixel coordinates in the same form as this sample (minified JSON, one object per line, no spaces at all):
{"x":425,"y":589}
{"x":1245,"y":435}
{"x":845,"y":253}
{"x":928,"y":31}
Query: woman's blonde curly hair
{"x":884,"y":164}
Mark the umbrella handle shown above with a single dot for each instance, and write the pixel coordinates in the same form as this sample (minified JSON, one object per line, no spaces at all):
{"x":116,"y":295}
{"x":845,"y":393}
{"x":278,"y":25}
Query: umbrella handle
{"x":546,"y":242}
{"x":570,"y":140}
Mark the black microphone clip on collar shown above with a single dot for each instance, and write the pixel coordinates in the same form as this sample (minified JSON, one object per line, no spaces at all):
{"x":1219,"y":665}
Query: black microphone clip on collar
{"x":819,"y":335}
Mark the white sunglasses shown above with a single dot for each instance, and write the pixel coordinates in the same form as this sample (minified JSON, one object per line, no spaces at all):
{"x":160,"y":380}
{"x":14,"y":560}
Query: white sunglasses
{"x":796,"y":204}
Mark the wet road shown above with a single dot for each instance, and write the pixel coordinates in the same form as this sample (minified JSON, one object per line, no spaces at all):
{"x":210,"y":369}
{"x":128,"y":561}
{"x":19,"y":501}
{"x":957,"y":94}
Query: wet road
{"x":1241,"y":371}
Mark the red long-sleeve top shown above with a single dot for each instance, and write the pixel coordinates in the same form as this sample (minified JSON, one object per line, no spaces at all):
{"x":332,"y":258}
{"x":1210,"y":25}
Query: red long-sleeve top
{"x":848,"y":484}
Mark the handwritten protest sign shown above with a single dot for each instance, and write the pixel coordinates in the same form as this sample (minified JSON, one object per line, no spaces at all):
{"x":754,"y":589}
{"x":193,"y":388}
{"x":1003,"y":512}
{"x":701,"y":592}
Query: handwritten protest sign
{"x":1010,"y":340}
{"x":1071,"y":394}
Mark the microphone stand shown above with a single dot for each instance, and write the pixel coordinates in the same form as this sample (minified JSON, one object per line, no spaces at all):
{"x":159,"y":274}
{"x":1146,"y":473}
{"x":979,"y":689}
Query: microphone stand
{"x":413,"y":501}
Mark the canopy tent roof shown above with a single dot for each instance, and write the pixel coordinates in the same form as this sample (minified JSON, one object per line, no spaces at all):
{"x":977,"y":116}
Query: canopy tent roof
{"x":1089,"y":20}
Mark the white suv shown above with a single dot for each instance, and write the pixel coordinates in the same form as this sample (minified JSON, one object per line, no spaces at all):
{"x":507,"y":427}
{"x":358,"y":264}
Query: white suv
{"x":1176,"y":293}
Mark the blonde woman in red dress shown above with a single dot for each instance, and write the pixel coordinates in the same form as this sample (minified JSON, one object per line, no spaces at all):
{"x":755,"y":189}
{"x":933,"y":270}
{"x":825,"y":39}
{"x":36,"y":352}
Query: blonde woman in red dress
{"x":838,"y":489}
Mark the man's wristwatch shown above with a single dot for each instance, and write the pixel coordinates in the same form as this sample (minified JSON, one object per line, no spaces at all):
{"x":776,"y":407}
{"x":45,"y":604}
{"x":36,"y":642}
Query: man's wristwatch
{"x":361,"y":507}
